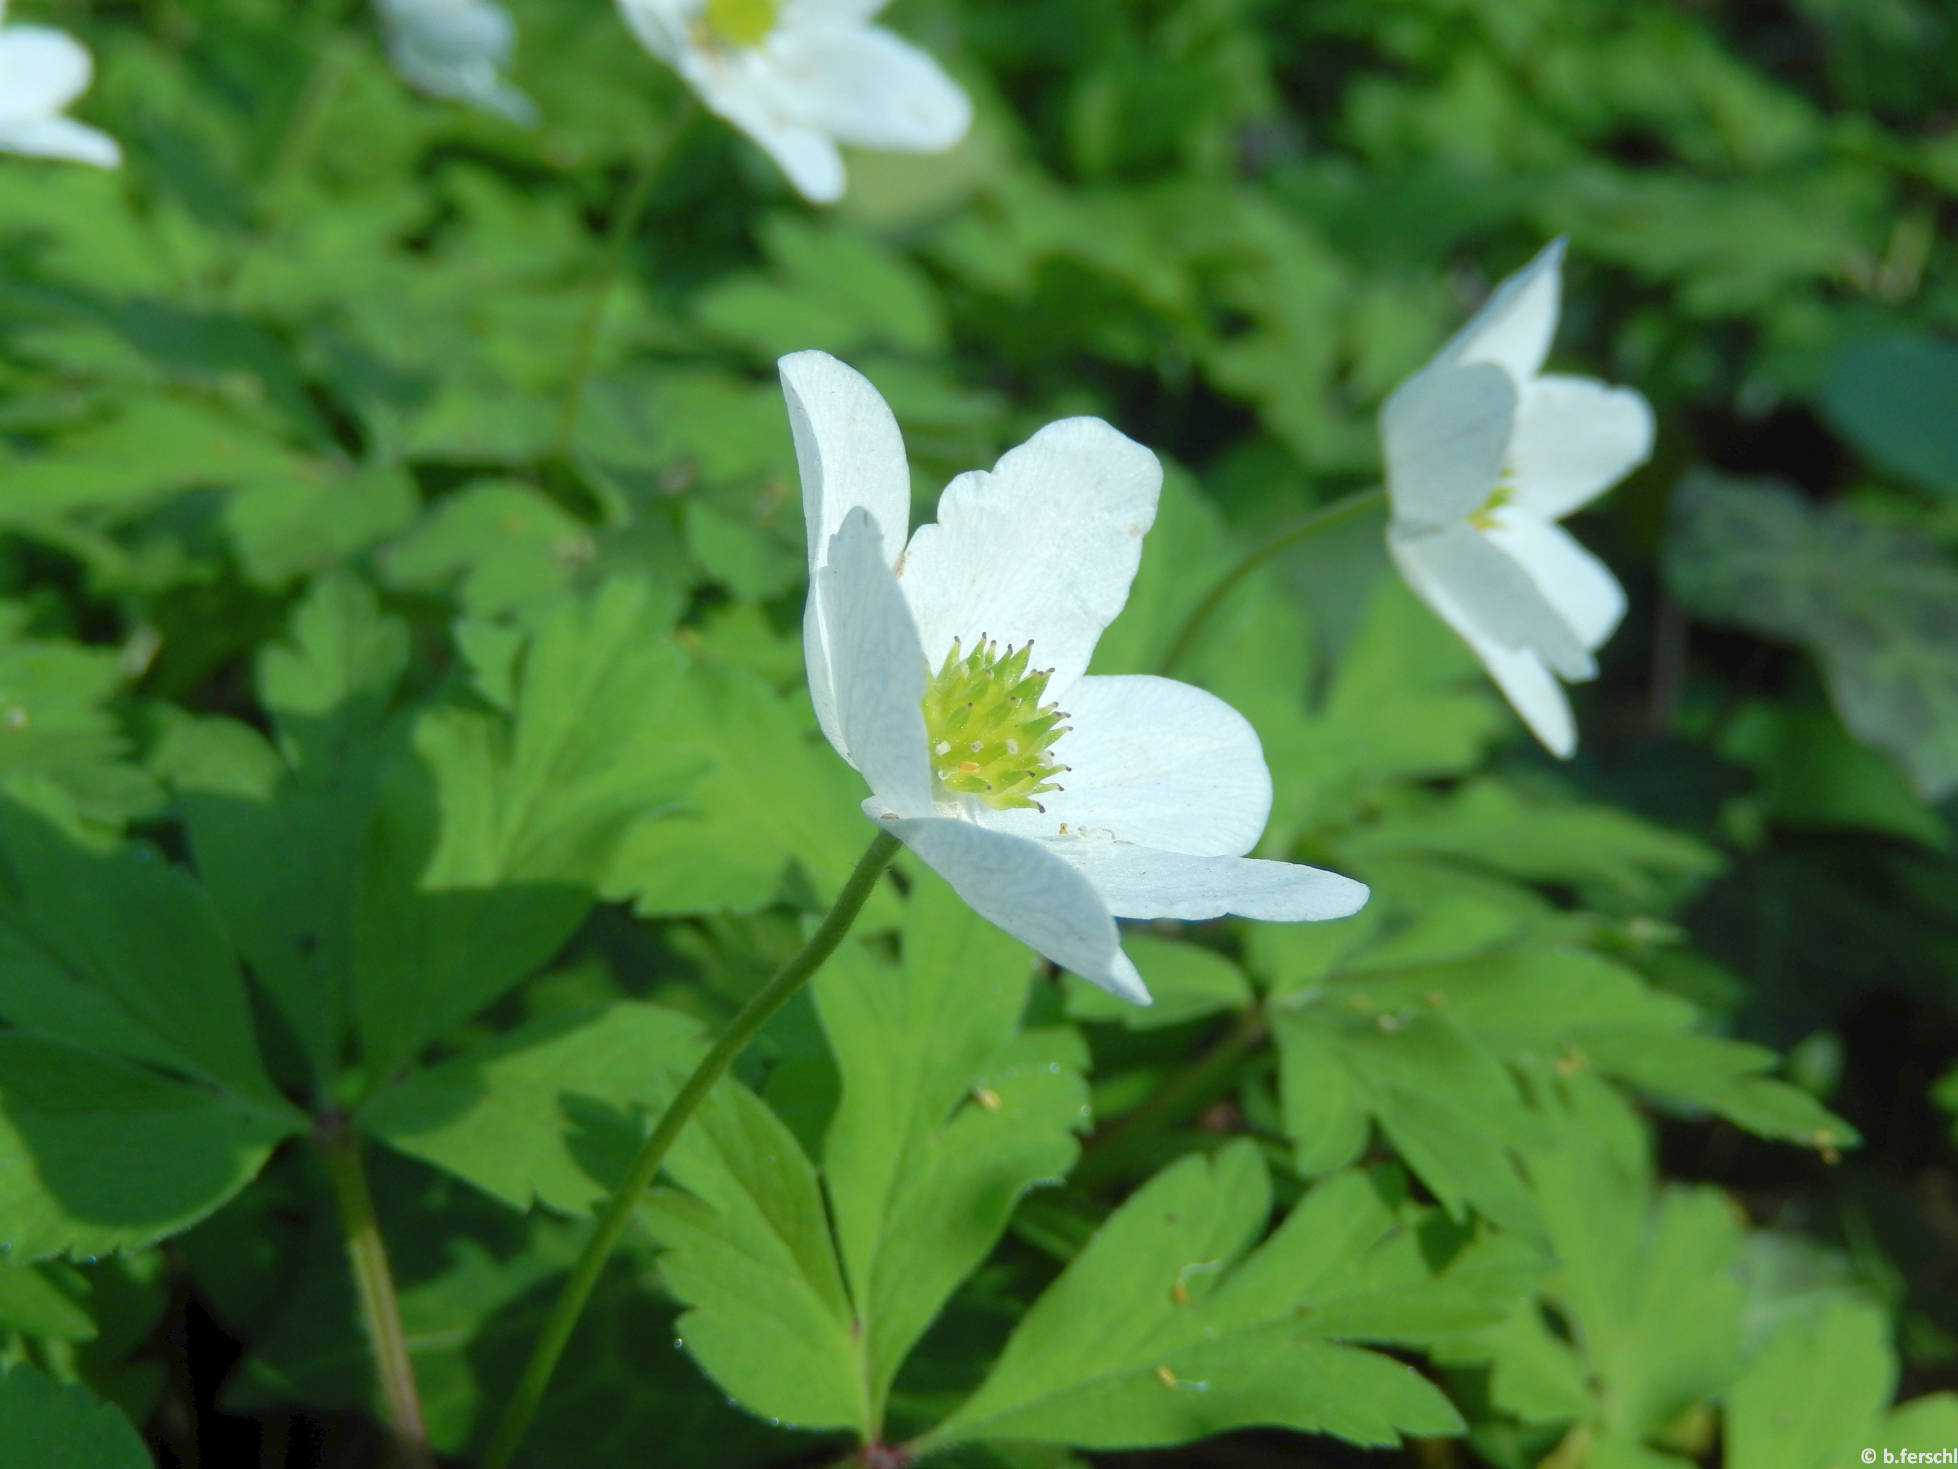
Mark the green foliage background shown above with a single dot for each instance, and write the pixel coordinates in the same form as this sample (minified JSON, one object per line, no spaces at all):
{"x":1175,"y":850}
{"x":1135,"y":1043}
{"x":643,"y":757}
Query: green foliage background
{"x":384,"y":744}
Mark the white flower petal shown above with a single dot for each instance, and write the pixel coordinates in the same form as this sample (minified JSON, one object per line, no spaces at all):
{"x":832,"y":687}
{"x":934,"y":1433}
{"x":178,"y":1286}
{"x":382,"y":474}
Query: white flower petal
{"x":1030,"y":892}
{"x":1514,"y":326}
{"x":848,"y":450}
{"x":1146,"y":882}
{"x":1575,"y":438}
{"x":1577,"y":584}
{"x":1444,"y":433}
{"x":456,"y":49}
{"x":1533,"y":692}
{"x":1155,"y":762}
{"x":863,"y":85}
{"x":876,"y":668}
{"x":1043,"y":547}
{"x":41,"y":72}
{"x":849,"y":453}
{"x":60,"y":137}
{"x":807,"y":156}
{"x":1486,"y":596}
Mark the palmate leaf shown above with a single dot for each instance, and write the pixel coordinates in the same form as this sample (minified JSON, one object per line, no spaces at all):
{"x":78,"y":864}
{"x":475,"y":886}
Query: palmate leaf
{"x":54,"y":1423}
{"x":492,"y":839}
{"x":99,"y":1155}
{"x":1893,"y":396}
{"x":748,"y":1249}
{"x":1875,"y":604}
{"x":279,"y":830}
{"x":949,"y":1114}
{"x":1644,"y":1284}
{"x":544,"y":1111}
{"x":1169,"y":1326}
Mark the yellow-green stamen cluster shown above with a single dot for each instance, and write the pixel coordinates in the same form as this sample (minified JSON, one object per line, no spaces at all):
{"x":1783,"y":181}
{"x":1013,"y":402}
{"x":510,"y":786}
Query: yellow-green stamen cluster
{"x":989,"y":733}
{"x":742,"y":22}
{"x":1483,"y":517}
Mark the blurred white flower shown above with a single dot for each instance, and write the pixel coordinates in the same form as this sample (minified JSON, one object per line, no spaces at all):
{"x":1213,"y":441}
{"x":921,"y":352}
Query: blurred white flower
{"x":940,"y":669}
{"x":801,"y":76}
{"x":1484,"y":454}
{"x":457,"y":50}
{"x":41,"y":72}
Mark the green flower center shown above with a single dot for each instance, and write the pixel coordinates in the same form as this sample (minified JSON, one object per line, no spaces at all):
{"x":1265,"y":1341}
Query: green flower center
{"x":742,"y":22}
{"x":1483,"y":517}
{"x":990,"y":734}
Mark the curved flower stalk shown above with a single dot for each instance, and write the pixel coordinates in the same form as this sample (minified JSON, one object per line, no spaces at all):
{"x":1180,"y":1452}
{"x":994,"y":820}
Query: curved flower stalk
{"x":951,"y":672}
{"x":42,"y":71}
{"x":456,"y":50}
{"x":801,"y":76}
{"x":1485,"y":453}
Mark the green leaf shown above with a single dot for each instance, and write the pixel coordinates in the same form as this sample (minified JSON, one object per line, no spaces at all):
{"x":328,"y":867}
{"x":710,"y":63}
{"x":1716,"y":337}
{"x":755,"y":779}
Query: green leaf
{"x":286,"y":529}
{"x":1609,"y":855}
{"x":776,"y":791}
{"x":45,"y":1301}
{"x":55,"y":1423}
{"x":543,"y":1112}
{"x":1816,"y":1393}
{"x":280,"y":834}
{"x":1875,"y":604}
{"x":502,"y":546}
{"x":120,"y":952}
{"x":1892,"y":397}
{"x":55,"y":723}
{"x":948,"y":1115}
{"x":98,"y":1155}
{"x":1813,"y":773}
{"x":491,"y":841}
{"x":1168,"y":1327}
{"x":1185,"y":982}
{"x":747,"y":1248}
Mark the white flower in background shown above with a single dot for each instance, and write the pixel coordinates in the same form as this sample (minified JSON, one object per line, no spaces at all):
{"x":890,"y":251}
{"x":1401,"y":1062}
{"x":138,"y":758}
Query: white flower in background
{"x":941,"y":668}
{"x":41,"y":72}
{"x":457,"y":50}
{"x":801,"y":76}
{"x":1485,"y":453}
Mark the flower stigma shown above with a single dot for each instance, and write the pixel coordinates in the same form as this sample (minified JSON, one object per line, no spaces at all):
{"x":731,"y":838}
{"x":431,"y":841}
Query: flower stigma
{"x":990,"y":735}
{"x":742,"y":22}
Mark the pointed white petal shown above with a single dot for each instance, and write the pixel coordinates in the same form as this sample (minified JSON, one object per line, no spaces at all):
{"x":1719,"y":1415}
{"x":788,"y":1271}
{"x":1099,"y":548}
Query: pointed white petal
{"x":1514,"y":326}
{"x":1146,"y":882}
{"x":875,"y":666}
{"x":1031,"y":893}
{"x":806,"y":155}
{"x":41,"y":72}
{"x":1529,"y":686}
{"x":1580,"y":586}
{"x":1155,"y":762}
{"x":1534,"y":693}
{"x":1575,"y":438}
{"x":849,"y":453}
{"x":863,"y":85}
{"x":1043,"y":547}
{"x":1444,"y":432}
{"x":1486,"y":596}
{"x":60,"y":137}
{"x":848,"y":449}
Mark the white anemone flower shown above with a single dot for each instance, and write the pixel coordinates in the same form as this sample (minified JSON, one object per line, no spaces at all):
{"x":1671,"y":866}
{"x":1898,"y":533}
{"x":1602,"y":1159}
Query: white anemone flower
{"x":41,"y":72}
{"x":951,"y":672}
{"x":1485,"y":453}
{"x":801,"y":76}
{"x":456,"y":50}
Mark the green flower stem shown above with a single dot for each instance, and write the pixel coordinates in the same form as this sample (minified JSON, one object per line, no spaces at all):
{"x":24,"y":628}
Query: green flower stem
{"x":380,"y":1311}
{"x":584,"y":1276}
{"x":618,"y":237}
{"x":1323,"y":519}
